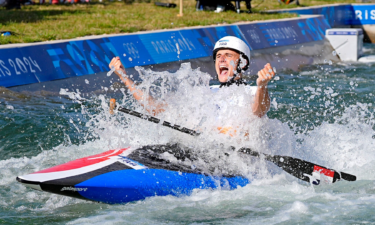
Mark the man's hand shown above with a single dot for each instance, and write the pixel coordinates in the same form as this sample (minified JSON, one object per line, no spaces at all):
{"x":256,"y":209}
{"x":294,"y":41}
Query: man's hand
{"x":265,"y":75}
{"x":117,"y":64}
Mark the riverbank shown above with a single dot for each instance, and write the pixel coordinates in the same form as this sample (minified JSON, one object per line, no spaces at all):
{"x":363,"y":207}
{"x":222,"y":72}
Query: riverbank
{"x":37,"y":23}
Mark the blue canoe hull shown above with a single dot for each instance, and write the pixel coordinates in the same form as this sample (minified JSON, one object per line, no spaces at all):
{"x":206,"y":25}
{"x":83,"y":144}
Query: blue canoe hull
{"x":112,"y":177}
{"x":132,"y":185}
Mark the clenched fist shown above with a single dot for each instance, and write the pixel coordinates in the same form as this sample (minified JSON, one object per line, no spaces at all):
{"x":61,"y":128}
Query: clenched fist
{"x":265,"y":75}
{"x":117,"y":64}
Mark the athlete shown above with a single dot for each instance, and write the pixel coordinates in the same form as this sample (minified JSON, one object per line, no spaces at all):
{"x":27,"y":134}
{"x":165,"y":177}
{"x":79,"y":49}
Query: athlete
{"x":231,"y":56}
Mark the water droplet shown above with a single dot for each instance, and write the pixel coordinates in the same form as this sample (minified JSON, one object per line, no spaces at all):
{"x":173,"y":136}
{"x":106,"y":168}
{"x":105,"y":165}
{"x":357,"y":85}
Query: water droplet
{"x":130,"y":59}
{"x":330,"y":62}
{"x":110,"y":72}
{"x":87,"y":81}
{"x":178,"y":49}
{"x":277,"y":78}
{"x":232,"y":63}
{"x":124,"y":54}
{"x":274,"y":69}
{"x":276,"y":41}
{"x":334,"y":53}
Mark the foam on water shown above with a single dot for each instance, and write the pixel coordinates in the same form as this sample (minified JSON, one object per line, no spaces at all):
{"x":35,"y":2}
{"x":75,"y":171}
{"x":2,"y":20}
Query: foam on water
{"x":341,"y":137}
{"x":346,"y":144}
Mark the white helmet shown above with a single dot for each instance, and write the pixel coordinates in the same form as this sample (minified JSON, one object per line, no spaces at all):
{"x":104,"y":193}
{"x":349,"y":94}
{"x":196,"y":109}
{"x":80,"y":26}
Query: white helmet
{"x":236,"y":44}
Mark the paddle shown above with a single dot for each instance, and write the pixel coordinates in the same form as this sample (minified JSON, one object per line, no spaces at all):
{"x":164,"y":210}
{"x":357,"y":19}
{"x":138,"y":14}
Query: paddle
{"x":299,"y":168}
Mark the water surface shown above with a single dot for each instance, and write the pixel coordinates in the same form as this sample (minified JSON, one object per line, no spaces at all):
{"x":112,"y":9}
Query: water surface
{"x":323,"y":114}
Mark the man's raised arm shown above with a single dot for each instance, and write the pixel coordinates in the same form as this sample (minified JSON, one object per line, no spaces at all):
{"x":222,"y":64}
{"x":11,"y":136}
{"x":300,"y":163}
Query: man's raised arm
{"x":151,"y":105}
{"x":262,"y":100}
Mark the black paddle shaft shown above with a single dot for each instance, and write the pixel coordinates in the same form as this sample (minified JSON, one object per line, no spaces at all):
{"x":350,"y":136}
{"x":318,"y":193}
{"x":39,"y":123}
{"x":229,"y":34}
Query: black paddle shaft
{"x":156,"y":120}
{"x":296,"y":167}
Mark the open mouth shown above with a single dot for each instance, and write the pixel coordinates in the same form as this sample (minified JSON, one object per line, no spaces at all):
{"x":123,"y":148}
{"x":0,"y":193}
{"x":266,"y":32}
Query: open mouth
{"x":223,"y":70}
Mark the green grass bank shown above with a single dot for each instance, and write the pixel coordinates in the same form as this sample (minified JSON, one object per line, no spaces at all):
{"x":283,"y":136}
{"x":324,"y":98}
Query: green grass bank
{"x":36,"y":23}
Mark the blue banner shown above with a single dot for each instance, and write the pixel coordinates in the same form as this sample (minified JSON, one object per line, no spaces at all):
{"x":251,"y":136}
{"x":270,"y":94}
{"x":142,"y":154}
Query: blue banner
{"x":172,"y":46}
{"x":208,"y":36}
{"x":297,"y":31}
{"x":340,"y":15}
{"x":40,"y":63}
{"x":17,"y":68}
{"x":334,"y":15}
{"x":131,"y":51}
{"x":363,"y":14}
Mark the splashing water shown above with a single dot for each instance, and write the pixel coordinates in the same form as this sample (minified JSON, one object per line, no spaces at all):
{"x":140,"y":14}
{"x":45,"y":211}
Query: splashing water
{"x":111,"y":71}
{"x":316,"y":115}
{"x":178,"y":50}
{"x":183,"y":91}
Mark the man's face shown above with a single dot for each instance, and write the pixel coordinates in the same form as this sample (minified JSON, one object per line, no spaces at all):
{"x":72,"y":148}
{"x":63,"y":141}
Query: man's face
{"x":226,"y":64}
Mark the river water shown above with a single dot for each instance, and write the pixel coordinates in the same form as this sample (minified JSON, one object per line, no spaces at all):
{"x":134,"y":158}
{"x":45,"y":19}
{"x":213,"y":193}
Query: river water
{"x":322,"y":113}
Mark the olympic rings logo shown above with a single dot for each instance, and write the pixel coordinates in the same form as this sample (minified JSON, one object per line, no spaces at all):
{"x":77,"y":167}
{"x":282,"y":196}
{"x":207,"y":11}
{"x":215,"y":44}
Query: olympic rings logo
{"x":131,"y":50}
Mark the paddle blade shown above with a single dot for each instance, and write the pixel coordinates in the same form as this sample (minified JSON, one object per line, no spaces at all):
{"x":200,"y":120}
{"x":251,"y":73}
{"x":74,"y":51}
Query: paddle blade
{"x":299,"y":168}
{"x":307,"y":171}
{"x":348,"y":177}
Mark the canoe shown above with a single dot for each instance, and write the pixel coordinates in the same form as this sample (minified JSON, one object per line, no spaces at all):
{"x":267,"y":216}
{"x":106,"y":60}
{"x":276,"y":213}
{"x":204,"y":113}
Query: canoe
{"x":128,"y":174}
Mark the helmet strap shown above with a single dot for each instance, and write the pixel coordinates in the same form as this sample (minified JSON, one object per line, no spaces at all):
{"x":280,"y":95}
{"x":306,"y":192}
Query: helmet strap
{"x":238,"y":82}
{"x":239,"y":69}
{"x":232,"y":81}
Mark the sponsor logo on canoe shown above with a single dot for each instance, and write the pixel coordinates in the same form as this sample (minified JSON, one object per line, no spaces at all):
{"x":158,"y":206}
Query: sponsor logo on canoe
{"x":73,"y":189}
{"x":322,"y":175}
{"x":133,"y":164}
